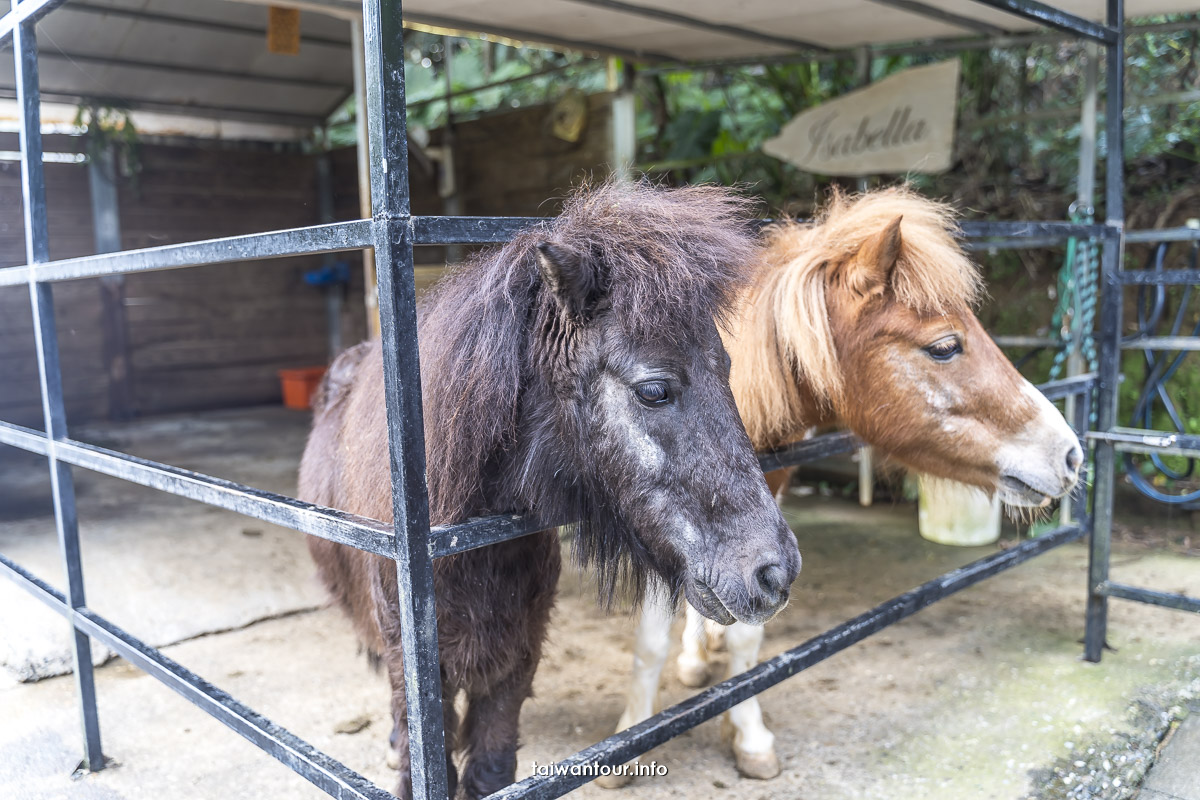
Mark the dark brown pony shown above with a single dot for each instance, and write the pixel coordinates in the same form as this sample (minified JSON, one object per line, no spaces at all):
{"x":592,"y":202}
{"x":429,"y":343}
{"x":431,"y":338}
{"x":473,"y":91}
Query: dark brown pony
{"x":576,"y":373}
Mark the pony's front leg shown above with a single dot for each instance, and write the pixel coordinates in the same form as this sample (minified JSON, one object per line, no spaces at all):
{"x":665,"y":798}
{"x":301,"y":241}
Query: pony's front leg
{"x":490,"y":733}
{"x":649,"y":654}
{"x":398,"y":757}
{"x":753,"y":744}
{"x":693,"y":659}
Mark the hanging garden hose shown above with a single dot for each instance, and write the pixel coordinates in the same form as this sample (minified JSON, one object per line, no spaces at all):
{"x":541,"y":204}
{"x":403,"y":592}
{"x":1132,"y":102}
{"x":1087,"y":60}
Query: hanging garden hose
{"x":1151,"y":305}
{"x":1076,"y":306}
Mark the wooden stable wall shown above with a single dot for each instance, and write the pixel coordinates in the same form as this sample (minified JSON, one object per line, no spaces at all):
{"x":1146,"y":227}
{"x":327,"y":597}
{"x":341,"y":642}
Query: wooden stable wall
{"x":215,"y":336}
{"x":511,"y":164}
{"x":195,"y":338}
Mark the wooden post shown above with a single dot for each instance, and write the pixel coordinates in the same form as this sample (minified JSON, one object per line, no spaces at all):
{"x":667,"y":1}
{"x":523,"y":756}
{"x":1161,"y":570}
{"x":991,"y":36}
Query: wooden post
{"x":370,"y":284}
{"x":106,"y":225}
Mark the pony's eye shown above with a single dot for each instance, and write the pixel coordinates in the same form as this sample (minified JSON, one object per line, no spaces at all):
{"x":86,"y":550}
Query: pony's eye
{"x":653,"y":393}
{"x":944,"y":349}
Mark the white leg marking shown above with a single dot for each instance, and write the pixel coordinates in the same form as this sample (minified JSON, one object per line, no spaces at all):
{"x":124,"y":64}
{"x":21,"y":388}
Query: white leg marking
{"x":716,"y":635}
{"x":649,"y":654}
{"x":693,"y":661}
{"x":753,"y":744}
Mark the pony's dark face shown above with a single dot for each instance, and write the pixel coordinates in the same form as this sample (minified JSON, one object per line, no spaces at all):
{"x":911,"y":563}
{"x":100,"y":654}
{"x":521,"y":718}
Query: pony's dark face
{"x":661,"y":443}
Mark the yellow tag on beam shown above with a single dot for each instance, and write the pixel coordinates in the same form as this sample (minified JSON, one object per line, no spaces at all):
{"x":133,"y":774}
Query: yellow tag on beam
{"x":283,"y":30}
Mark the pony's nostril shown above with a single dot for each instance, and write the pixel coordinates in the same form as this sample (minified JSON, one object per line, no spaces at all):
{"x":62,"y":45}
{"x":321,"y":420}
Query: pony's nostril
{"x":1074,"y":459}
{"x":772,"y":579}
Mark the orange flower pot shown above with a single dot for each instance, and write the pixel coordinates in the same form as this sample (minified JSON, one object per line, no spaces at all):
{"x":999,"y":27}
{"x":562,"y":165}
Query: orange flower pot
{"x":298,"y":386}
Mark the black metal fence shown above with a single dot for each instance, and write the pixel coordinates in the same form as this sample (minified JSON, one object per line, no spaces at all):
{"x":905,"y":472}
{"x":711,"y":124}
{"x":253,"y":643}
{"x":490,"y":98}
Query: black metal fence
{"x":392,"y":233}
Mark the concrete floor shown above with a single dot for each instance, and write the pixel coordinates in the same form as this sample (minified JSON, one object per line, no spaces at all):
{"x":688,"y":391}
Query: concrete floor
{"x":980,"y":696}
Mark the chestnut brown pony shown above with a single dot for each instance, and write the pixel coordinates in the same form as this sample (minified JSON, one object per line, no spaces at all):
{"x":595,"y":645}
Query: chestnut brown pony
{"x":864,"y":319}
{"x":576,"y":373}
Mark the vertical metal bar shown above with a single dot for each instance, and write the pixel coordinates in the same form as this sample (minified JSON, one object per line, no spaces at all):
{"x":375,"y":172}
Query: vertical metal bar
{"x":1110,"y":335}
{"x":392,"y":233}
{"x":37,"y":249}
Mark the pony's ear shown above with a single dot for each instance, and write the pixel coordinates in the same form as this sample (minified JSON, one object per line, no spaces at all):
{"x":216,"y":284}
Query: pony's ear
{"x":568,"y":277}
{"x":878,"y":255}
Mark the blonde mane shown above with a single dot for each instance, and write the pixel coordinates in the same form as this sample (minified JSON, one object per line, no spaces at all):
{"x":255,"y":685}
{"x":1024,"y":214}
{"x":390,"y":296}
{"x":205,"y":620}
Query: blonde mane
{"x":782,"y":330}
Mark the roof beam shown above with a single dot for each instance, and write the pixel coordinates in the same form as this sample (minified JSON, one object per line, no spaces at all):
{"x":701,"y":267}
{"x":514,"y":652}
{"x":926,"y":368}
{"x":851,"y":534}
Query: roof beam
{"x":158,"y":66}
{"x":27,"y":10}
{"x":342,"y":9}
{"x":193,"y":23}
{"x":696,"y":22}
{"x":942,"y":15}
{"x":533,"y":38}
{"x":229,"y":113}
{"x":1055,"y":18}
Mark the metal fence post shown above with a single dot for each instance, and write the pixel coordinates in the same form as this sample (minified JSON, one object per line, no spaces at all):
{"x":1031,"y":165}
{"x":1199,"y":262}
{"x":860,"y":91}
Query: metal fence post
{"x":1110,"y":335}
{"x":37,"y":249}
{"x":393,"y":241}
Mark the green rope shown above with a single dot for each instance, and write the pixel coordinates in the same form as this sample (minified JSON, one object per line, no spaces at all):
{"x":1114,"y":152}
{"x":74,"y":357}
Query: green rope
{"x":1076,"y":306}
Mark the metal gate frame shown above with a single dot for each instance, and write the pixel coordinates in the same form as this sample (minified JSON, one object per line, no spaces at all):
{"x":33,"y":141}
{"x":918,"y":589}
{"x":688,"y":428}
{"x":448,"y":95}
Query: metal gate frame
{"x":392,"y":232}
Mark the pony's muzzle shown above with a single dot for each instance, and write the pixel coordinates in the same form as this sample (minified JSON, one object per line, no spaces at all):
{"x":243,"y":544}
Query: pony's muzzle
{"x":1074,"y":461}
{"x":771,"y":584}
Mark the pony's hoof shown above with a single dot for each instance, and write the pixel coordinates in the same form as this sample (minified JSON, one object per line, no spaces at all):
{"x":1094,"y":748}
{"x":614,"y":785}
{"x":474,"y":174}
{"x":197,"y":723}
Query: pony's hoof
{"x":615,"y":780}
{"x":693,"y":673}
{"x":760,"y":766}
{"x":393,"y":759}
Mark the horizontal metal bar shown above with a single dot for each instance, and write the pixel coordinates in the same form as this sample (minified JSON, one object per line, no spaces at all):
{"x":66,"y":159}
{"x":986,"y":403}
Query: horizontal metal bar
{"x":292,"y":242}
{"x":1167,"y":343}
{"x":241,"y":76}
{"x":1136,"y":440}
{"x":1068,"y":387}
{"x":1177,"y":601}
{"x":1185,"y":234}
{"x":471,"y":230}
{"x":356,"y":234}
{"x":445,"y":540}
{"x":671,"y":722}
{"x":1028,"y":341}
{"x":1048,"y":231}
{"x":830,"y":444}
{"x":23,"y":11}
{"x":327,"y":523}
{"x":1156,"y":277}
{"x":483,"y":87}
{"x":331,"y":776}
{"x":449,"y":539}
{"x":1055,"y":18}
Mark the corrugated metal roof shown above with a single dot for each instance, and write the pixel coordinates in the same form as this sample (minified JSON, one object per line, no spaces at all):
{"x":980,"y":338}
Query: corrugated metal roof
{"x":208,"y":58}
{"x":204,"y":57}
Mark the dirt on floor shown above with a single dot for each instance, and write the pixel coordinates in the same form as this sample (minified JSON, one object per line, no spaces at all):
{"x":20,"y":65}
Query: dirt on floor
{"x":982,"y":695}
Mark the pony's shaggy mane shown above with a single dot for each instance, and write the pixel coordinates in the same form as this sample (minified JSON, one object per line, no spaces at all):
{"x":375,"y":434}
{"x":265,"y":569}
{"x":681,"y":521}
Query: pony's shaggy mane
{"x":802,"y":263}
{"x":665,"y":261}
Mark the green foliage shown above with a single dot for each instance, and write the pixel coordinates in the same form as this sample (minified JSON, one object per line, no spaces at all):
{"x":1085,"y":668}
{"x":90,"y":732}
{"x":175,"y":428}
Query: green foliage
{"x":110,"y":127}
{"x":534,"y":76}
